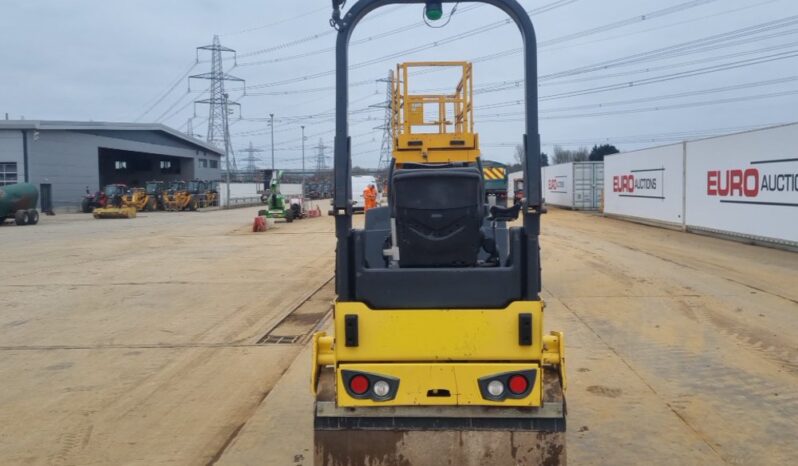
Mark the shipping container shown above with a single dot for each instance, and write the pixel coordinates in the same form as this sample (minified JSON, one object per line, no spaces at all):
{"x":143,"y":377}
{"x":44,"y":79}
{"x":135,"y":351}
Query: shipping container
{"x":646,"y":185}
{"x":742,"y":185}
{"x":575,"y":185}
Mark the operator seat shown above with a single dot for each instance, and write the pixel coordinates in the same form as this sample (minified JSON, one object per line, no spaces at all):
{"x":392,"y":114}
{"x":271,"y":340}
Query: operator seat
{"x":439,"y":214}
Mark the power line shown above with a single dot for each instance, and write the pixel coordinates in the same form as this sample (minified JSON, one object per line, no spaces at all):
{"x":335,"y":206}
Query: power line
{"x":168,"y":91}
{"x":651,"y":109}
{"x":426,"y":46}
{"x":275,"y":23}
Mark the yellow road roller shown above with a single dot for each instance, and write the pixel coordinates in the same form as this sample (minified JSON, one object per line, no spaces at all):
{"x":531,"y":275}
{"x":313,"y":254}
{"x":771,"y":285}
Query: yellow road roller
{"x":438,"y":353}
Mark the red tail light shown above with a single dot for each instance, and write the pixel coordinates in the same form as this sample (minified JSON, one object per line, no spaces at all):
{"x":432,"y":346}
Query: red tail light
{"x":359,"y":384}
{"x":518,"y":384}
{"x":515,"y":385}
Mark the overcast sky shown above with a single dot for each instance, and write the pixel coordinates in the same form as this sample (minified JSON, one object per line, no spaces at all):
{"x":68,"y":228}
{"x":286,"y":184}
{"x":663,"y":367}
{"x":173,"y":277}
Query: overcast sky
{"x":112,"y":60}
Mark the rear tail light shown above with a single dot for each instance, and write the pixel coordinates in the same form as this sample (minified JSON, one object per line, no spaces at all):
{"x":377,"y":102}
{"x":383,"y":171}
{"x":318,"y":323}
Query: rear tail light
{"x":518,"y":384}
{"x":514,"y":385}
{"x":359,"y":384}
{"x":365,"y":385}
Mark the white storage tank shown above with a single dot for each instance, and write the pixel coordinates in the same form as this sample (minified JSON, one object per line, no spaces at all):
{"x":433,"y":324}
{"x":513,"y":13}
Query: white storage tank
{"x":575,"y":185}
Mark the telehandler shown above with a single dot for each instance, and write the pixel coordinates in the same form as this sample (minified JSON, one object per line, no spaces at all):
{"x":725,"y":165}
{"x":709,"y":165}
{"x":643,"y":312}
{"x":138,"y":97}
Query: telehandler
{"x":155,"y":191}
{"x":199,"y":191}
{"x":211,"y":194}
{"x":178,"y":197}
{"x":438,"y":354}
{"x":138,"y":198}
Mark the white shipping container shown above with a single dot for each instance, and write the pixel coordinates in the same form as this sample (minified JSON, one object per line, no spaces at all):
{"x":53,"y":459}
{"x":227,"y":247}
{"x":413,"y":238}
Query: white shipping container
{"x":646,"y":184}
{"x":745,"y":184}
{"x":575,"y":185}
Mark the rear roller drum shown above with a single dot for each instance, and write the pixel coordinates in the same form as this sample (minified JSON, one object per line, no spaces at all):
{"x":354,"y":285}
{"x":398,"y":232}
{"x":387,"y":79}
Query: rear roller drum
{"x":342,"y":438}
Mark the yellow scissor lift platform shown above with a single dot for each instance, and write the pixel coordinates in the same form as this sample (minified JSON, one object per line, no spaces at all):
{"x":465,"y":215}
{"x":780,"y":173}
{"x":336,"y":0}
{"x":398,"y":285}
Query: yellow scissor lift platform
{"x":449,"y":116}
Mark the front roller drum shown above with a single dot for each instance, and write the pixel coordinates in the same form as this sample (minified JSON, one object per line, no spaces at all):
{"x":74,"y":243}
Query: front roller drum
{"x":431,"y":436}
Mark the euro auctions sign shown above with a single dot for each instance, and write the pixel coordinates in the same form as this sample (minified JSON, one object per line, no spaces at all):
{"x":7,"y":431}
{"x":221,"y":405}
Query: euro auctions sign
{"x":647,"y":182}
{"x":745,"y":183}
{"x":763,"y":182}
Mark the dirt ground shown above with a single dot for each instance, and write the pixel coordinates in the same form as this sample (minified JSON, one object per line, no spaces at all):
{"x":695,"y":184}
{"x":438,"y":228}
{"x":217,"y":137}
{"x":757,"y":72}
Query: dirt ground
{"x":167,"y":339}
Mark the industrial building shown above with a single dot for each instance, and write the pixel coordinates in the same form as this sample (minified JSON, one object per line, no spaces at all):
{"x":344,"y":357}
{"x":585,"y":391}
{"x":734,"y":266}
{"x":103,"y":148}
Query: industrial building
{"x":64,"y":158}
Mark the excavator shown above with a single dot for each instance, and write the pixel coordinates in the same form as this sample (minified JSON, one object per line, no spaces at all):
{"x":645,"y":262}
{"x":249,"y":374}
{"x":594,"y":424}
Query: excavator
{"x":438,"y":354}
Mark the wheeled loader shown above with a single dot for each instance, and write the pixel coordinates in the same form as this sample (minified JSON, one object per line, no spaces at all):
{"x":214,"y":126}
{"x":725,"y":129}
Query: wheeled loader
{"x":438,"y":354}
{"x":115,"y":203}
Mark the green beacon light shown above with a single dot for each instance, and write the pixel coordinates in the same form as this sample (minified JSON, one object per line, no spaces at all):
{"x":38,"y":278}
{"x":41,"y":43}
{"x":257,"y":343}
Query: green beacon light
{"x":433,"y":10}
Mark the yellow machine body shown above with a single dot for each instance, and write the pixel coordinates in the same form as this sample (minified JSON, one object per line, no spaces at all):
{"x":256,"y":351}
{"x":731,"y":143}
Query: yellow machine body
{"x":136,"y":198}
{"x":438,"y":351}
{"x":210,"y":199}
{"x":438,"y":356}
{"x":179,"y":200}
{"x":114,"y":212}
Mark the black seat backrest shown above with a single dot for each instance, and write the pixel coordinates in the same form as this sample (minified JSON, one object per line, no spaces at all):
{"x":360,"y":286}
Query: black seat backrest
{"x":438,"y":212}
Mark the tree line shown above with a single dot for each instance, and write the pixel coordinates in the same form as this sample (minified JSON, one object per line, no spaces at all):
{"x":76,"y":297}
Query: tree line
{"x":561,"y":155}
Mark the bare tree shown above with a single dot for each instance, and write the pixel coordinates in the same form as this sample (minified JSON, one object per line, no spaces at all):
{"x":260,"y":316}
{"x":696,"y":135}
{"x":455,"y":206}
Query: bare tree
{"x":565,"y":156}
{"x":519,"y":154}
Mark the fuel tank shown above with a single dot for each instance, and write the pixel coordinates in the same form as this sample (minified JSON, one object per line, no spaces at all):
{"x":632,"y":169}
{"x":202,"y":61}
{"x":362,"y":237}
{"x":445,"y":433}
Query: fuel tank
{"x":14,"y":197}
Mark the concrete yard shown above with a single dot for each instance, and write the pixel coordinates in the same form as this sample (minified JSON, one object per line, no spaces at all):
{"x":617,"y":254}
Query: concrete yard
{"x":136,"y":342}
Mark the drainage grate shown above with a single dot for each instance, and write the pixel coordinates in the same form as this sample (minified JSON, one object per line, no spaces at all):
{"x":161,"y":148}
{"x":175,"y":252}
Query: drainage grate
{"x":297,"y":326}
{"x":279,"y":339}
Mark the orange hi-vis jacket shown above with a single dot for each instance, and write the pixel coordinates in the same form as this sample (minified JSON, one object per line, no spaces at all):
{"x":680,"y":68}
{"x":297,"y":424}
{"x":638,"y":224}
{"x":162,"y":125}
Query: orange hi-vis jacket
{"x":369,"y":198}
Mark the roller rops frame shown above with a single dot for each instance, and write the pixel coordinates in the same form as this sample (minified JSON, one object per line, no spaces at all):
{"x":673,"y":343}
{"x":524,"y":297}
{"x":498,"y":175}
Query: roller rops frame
{"x":532,"y":207}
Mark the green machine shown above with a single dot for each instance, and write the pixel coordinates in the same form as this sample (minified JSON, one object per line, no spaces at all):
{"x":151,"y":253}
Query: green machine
{"x":277,"y":206}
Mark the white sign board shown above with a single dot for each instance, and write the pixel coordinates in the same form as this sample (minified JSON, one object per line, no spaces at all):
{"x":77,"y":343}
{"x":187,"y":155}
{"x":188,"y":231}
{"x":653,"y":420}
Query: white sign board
{"x":291,"y":189}
{"x":745,"y":183}
{"x":646,"y":184}
{"x":558,"y":184}
{"x":239,"y":192}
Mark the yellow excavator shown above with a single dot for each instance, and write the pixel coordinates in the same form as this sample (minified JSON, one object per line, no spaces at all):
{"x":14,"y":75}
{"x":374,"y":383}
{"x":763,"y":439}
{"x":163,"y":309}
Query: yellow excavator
{"x":438,"y":354}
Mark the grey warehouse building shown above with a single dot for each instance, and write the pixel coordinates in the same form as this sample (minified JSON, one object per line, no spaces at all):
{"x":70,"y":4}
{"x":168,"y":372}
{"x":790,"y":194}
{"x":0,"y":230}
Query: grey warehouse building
{"x":63,"y":158}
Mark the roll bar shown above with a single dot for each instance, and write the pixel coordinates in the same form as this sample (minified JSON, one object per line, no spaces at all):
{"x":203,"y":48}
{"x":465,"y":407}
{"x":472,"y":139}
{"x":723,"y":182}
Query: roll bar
{"x":342,"y":208}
